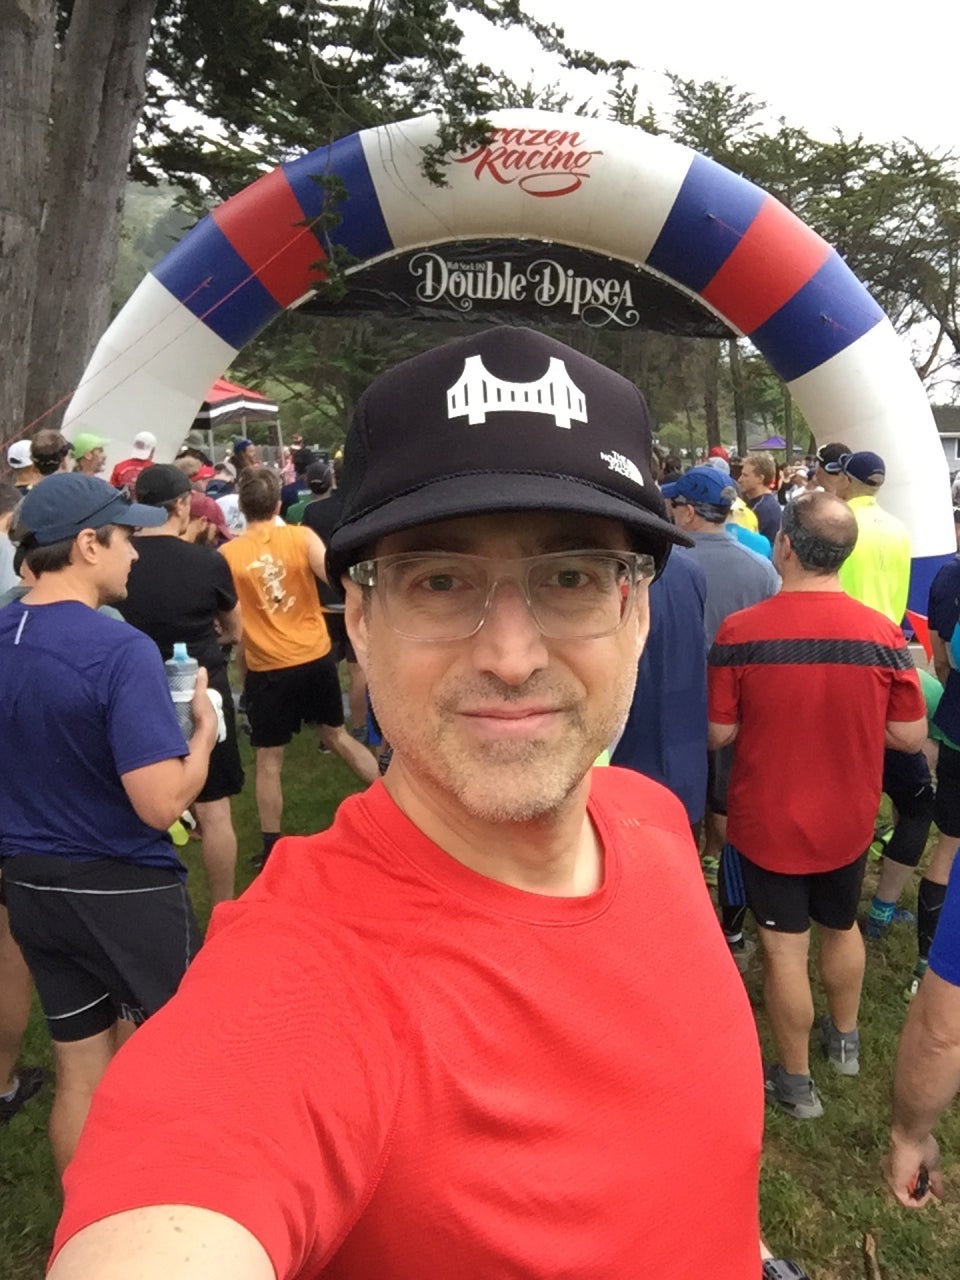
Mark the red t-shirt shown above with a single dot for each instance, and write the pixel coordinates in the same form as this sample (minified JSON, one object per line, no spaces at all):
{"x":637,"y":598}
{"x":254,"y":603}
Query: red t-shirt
{"x":811,"y":678}
{"x":126,"y":472}
{"x":386,"y":1065}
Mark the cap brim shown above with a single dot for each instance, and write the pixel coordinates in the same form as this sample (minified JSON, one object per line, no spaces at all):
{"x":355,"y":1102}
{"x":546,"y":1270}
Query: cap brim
{"x":488,"y":493}
{"x":137,"y":515}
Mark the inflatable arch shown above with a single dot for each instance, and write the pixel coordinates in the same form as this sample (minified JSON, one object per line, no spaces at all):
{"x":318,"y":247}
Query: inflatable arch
{"x":560,"y":179}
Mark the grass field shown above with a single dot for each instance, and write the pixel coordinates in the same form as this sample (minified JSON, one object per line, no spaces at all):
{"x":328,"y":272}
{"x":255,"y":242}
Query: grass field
{"x":821,"y":1190}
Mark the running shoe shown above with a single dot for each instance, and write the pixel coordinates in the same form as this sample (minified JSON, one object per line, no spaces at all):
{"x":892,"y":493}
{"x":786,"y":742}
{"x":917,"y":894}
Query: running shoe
{"x":742,"y":951}
{"x":802,"y":1103}
{"x":29,"y":1082}
{"x":913,"y":986}
{"x":840,"y":1048}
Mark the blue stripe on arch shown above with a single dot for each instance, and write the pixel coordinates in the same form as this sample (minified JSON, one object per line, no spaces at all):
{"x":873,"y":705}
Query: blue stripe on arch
{"x":209,"y":277}
{"x":826,"y":316}
{"x":923,"y":570}
{"x":362,"y":230}
{"x":709,"y":217}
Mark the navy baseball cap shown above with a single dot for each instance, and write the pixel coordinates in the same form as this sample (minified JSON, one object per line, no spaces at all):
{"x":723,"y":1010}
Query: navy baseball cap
{"x":868,"y":468}
{"x":63,"y":504}
{"x":702,"y":485}
{"x":507,"y":419}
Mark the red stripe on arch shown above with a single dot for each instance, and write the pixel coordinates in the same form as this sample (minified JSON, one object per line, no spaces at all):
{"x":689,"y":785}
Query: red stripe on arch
{"x":776,"y":256}
{"x":263,"y":225}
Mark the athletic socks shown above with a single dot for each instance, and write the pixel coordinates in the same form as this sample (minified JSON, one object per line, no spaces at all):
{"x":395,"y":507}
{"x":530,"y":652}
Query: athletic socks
{"x":270,"y":838}
{"x":930,"y":898}
{"x":880,"y":918}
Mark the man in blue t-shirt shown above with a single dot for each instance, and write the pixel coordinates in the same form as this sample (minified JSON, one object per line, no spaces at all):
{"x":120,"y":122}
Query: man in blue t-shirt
{"x":928,"y":1065}
{"x":665,"y":736}
{"x":757,"y":474}
{"x":95,"y":892}
{"x":736,"y":578}
{"x":943,"y":612}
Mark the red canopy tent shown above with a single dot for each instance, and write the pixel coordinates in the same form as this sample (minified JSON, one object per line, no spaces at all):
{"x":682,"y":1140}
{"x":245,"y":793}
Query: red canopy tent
{"x":227,"y":403}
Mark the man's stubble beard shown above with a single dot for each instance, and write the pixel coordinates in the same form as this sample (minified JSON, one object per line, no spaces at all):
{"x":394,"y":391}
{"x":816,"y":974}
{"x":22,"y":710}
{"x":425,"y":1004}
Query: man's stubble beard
{"x":506,"y":781}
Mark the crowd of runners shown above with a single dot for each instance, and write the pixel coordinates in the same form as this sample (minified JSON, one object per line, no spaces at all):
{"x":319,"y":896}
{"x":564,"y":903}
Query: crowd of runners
{"x":440,"y":1056}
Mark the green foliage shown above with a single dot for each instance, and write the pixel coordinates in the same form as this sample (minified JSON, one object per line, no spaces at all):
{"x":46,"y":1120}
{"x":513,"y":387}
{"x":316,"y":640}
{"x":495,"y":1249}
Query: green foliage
{"x":281,"y":77}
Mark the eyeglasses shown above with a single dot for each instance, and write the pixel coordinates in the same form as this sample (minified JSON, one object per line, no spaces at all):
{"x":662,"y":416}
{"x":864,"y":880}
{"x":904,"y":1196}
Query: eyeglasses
{"x":571,"y":595}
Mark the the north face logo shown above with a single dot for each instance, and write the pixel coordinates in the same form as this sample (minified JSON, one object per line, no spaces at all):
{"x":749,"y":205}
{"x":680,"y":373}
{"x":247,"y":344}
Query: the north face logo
{"x":477,"y":393}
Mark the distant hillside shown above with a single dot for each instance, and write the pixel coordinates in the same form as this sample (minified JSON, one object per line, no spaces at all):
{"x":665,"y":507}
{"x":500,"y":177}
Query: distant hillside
{"x":151,"y":227}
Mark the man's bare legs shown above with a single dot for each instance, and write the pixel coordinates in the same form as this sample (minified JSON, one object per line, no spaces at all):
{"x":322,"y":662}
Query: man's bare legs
{"x":842,"y":962}
{"x":787,"y":996}
{"x":270,"y":771}
{"x":269,"y":787}
{"x":357,"y":696}
{"x":80,"y":1066}
{"x":15,"y":985}
{"x":894,"y":878}
{"x":351,"y":752}
{"x":219,"y":847}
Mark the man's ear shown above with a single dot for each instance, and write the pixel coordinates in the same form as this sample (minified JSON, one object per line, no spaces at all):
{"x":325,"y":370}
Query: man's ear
{"x":85,"y":547}
{"x":355,"y":618}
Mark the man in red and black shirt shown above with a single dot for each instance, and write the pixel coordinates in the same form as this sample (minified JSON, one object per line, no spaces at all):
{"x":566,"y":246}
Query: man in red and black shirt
{"x":802,"y":801}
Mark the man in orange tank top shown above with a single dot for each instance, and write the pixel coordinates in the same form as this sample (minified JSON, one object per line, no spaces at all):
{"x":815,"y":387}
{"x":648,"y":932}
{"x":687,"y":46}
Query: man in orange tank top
{"x":290,"y":678}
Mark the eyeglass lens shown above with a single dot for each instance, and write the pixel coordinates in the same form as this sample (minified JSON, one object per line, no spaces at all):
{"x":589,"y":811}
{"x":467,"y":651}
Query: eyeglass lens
{"x":571,"y":595}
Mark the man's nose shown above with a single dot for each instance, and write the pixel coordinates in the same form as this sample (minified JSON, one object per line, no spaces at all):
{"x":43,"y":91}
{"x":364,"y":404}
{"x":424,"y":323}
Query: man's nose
{"x":509,"y":644}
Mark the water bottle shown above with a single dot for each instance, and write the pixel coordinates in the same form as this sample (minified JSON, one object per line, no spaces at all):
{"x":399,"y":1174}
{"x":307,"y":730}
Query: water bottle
{"x":181,"y":672}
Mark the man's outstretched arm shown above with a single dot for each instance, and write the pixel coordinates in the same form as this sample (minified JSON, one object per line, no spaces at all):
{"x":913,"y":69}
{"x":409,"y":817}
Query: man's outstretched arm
{"x":927,"y":1078}
{"x":163,"y":1242}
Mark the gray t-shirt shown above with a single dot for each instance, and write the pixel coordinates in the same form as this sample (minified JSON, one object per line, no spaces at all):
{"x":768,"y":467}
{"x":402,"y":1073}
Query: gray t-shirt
{"x":736,"y":577}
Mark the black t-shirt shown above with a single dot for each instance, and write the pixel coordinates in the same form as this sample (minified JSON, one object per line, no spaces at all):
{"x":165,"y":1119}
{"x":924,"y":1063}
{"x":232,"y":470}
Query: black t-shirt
{"x":174,"y":593}
{"x":322,"y":517}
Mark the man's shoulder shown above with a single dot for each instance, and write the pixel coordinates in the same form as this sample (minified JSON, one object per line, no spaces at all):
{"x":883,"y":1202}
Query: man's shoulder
{"x":84,"y":639}
{"x":839,"y":615}
{"x":947,"y":578}
{"x":623,"y":795}
{"x":682,"y":563}
{"x":868,"y":511}
{"x":734,"y":556}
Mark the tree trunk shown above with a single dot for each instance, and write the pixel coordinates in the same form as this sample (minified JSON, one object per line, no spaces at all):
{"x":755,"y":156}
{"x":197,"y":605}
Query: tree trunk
{"x":711,"y":390}
{"x":787,"y":421}
{"x":98,"y":97}
{"x":739,"y":410}
{"x":26,"y":70}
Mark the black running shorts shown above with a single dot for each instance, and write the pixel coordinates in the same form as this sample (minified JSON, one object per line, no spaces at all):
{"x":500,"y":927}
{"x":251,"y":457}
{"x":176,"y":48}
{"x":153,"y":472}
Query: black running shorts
{"x":103,"y":939}
{"x":280,"y":702}
{"x":225,"y":774}
{"x":787,"y":903}
{"x":341,"y":650}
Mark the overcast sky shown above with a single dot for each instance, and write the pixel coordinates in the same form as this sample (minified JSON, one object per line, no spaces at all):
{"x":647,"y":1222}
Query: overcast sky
{"x":885,"y":70}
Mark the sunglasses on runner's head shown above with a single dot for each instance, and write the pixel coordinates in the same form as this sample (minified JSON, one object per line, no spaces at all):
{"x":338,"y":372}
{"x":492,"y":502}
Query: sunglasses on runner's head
{"x":571,"y":595}
{"x":832,"y":467}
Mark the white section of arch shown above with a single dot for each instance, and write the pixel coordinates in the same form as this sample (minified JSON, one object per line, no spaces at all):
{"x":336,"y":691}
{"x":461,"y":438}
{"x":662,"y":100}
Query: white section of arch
{"x":627,"y":187}
{"x":869,"y":397}
{"x":149,"y":372}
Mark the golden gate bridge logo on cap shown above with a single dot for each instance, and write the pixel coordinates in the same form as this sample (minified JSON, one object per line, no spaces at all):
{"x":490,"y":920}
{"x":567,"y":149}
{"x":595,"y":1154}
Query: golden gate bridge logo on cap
{"x":542,"y":162}
{"x":477,"y":392}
